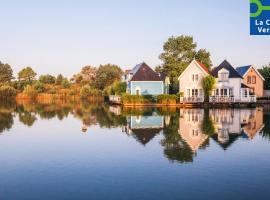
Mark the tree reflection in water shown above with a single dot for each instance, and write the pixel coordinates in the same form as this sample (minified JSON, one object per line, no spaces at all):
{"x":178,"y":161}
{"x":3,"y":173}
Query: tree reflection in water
{"x":182,"y":132}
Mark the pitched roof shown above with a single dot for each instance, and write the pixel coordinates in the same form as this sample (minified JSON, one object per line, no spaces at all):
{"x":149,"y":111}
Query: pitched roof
{"x":242,"y":70}
{"x":226,"y":65}
{"x":145,"y":135}
{"x":203,"y":66}
{"x":144,"y":73}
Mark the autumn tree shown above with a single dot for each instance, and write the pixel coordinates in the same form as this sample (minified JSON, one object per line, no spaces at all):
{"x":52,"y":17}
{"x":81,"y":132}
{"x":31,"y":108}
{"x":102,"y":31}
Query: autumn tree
{"x":27,"y":74}
{"x":107,"y":75}
{"x":6,"y":73}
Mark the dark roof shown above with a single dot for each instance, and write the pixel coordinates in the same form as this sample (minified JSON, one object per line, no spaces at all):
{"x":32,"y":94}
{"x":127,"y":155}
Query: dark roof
{"x":244,"y":85}
{"x":226,"y":65}
{"x":145,"y":135}
{"x":145,"y":73}
{"x":242,"y":70}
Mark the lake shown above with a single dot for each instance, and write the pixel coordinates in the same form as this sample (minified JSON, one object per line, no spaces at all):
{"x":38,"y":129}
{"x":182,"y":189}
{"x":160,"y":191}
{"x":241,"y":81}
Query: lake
{"x":86,"y":151}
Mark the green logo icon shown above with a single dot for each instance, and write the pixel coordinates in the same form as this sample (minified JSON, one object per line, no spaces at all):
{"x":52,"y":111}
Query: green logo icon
{"x":260,"y":8}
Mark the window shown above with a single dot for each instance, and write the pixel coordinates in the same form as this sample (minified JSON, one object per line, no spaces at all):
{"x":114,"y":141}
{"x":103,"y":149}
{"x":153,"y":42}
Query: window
{"x":249,"y":79}
{"x":217,"y":92}
{"x":223,"y":76}
{"x":138,"y":91}
{"x":230,"y":92}
{"x":188,"y":92}
{"x":194,"y":92}
{"x":253,"y":79}
{"x":195,"y":77}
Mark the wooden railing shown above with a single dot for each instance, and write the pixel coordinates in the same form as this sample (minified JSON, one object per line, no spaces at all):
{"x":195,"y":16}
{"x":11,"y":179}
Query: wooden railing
{"x":226,"y":99}
{"x":115,"y":99}
{"x":191,"y":99}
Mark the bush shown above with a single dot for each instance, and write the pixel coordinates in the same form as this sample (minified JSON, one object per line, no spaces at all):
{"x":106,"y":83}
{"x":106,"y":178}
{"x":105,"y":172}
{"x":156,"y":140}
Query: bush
{"x":167,"y":99}
{"x":7,"y":92}
{"x":138,"y":99}
{"x":52,"y":91}
{"x":30,"y":91}
{"x":39,"y":87}
{"x":65,"y":83}
{"x":85,"y":92}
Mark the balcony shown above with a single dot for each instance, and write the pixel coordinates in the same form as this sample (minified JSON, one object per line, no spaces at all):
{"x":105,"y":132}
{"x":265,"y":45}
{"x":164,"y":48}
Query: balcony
{"x":228,"y":99}
{"x":191,"y":99}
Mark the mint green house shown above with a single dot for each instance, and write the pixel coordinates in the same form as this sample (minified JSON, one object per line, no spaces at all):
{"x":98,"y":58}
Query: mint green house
{"x":142,"y":80}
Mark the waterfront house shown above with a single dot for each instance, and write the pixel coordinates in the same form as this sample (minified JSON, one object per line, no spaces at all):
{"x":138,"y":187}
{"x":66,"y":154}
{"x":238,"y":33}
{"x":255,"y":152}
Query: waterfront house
{"x":144,"y":128}
{"x":190,"y":128}
{"x":229,"y":86}
{"x":252,"y":78}
{"x":190,"y":82}
{"x":143,"y":80}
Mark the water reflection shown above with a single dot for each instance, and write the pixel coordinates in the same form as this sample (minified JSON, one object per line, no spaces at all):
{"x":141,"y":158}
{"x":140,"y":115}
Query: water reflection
{"x":182,"y":133}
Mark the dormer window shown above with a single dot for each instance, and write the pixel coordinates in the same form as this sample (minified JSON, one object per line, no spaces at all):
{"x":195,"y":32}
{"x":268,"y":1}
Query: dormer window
{"x":223,"y":75}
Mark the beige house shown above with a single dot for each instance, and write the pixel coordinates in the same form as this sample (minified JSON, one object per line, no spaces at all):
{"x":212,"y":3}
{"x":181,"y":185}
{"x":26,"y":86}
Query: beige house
{"x":190,"y":127}
{"x":190,"y":82}
{"x":252,"y":78}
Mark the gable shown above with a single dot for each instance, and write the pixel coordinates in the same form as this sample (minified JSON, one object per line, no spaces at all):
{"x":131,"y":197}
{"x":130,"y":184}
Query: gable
{"x":226,"y":65}
{"x":255,"y":70}
{"x":145,"y":73}
{"x":194,"y":65}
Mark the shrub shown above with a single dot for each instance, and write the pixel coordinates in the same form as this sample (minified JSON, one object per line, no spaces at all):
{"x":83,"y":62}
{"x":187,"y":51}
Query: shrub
{"x":138,"y":99}
{"x":39,"y":87}
{"x":85,"y":91}
{"x":65,"y":83}
{"x":52,"y":91}
{"x":7,"y":92}
{"x":167,"y":99}
{"x":30,"y":91}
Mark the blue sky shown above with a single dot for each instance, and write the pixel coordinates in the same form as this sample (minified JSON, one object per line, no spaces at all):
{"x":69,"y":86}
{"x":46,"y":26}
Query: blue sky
{"x":62,"y":36}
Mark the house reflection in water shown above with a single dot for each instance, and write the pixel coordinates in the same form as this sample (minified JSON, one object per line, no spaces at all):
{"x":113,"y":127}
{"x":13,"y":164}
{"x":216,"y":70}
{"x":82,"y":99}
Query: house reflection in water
{"x":144,"y":128}
{"x":230,"y":124}
{"x":190,"y":128}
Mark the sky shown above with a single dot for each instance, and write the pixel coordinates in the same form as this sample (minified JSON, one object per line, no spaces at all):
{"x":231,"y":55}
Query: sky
{"x":64,"y":35}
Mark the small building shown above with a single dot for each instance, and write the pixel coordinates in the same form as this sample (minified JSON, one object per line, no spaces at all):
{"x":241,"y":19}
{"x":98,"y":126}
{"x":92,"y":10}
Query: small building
{"x":144,"y":128}
{"x":190,"y":82}
{"x":252,"y":78}
{"x":229,"y":86}
{"x":143,"y":80}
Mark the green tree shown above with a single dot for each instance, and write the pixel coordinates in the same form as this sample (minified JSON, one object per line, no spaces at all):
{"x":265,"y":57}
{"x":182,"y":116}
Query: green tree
{"x":265,"y":72}
{"x":59,"y":79}
{"x":6,"y":73}
{"x":208,"y":86}
{"x":47,"y":79}
{"x":27,"y":74}
{"x":177,"y":54}
{"x":65,"y":83}
{"x":107,"y":75}
{"x":204,"y":57}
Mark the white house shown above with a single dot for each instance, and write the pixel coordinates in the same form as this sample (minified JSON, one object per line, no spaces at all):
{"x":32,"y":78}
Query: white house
{"x":229,"y":85}
{"x":190,"y":82}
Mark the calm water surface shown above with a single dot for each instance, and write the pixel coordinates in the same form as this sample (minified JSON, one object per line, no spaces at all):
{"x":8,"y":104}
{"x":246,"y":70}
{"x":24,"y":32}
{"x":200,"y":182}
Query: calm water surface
{"x":88,"y":151}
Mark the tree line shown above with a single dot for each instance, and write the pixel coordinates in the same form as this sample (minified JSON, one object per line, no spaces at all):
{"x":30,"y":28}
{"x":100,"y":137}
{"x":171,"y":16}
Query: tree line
{"x":177,"y":53}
